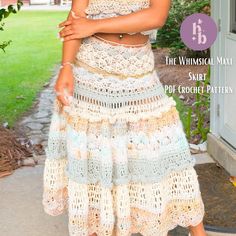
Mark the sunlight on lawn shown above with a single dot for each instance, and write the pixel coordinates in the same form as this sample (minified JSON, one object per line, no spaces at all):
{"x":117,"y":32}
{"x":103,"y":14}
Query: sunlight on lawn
{"x":29,"y":59}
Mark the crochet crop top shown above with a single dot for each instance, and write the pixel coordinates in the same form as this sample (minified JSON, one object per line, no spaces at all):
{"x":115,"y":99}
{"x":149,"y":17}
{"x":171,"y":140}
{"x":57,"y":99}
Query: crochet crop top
{"x":98,"y":9}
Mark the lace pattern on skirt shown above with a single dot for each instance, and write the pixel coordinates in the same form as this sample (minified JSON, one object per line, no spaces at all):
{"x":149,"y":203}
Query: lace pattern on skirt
{"x":127,"y":61}
{"x":117,"y":158}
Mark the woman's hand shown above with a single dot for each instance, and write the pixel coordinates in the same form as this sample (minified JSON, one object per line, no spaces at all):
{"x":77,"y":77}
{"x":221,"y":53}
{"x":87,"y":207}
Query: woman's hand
{"x":77,"y":28}
{"x":65,"y":85}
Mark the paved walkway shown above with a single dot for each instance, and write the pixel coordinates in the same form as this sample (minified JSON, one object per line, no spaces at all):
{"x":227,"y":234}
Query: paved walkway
{"x":21,"y":193}
{"x":21,"y":211}
{"x":35,"y":124}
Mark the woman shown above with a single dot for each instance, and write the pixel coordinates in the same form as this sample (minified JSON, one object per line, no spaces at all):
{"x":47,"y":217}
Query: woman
{"x":117,"y":156}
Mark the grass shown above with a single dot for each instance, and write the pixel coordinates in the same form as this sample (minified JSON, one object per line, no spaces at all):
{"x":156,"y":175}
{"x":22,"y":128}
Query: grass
{"x":28,"y":61}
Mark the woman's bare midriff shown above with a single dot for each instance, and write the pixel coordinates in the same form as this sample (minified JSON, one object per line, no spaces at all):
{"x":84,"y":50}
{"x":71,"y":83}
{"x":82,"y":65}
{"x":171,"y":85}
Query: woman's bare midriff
{"x":128,"y":39}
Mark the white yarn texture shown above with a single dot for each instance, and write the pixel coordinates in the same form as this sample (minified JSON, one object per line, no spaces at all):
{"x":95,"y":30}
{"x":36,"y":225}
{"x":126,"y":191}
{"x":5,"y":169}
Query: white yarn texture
{"x":117,"y":158}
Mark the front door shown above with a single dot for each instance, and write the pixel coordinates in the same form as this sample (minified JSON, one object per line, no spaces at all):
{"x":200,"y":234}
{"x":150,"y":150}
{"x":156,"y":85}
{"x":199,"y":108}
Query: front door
{"x":227,"y":75}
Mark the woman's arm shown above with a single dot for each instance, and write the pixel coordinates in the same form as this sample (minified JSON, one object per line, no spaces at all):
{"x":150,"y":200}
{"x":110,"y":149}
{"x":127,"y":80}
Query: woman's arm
{"x":69,"y":49}
{"x":145,"y":19}
{"x":149,"y":18}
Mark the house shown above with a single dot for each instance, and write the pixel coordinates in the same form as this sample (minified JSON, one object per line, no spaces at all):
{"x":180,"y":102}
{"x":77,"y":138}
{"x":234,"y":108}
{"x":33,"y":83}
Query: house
{"x":222,"y":136}
{"x":4,"y":3}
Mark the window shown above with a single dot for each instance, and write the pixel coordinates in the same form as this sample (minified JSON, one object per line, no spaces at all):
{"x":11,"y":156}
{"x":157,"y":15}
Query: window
{"x":233,"y":16}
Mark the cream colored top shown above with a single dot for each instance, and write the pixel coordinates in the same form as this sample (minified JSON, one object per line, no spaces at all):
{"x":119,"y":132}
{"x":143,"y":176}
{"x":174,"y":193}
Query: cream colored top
{"x":98,"y":9}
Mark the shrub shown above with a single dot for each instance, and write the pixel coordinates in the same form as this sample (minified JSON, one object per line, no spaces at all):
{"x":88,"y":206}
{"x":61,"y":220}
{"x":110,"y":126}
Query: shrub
{"x":169,"y":35}
{"x":4,"y":13}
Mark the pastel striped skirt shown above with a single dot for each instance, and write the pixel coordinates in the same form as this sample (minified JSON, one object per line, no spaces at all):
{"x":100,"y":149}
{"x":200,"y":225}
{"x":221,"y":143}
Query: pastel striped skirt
{"x":117,"y":159}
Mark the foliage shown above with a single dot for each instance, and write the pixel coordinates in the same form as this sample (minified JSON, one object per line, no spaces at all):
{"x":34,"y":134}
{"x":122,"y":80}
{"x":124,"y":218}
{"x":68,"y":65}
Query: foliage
{"x":4,"y":13}
{"x":195,"y":116}
{"x":202,"y":108}
{"x":169,"y":35}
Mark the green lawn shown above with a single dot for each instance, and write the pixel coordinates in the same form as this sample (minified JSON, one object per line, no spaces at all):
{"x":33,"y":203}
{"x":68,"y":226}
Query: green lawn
{"x":29,"y":59}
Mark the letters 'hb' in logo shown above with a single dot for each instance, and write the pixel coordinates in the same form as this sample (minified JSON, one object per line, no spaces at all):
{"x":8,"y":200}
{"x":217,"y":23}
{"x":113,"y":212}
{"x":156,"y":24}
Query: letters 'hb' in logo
{"x":198,"y":31}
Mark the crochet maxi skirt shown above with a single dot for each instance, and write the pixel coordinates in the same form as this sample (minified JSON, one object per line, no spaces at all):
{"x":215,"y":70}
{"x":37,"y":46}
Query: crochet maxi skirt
{"x":117,"y":158}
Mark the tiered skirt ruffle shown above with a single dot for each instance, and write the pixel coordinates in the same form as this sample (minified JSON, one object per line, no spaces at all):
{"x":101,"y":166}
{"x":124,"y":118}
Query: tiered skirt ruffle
{"x":117,"y":158}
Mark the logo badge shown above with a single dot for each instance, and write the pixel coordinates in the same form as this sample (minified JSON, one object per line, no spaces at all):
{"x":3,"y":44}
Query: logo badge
{"x":198,"y":31}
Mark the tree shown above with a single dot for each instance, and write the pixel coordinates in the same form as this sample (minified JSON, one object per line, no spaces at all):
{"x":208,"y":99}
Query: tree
{"x":4,"y":13}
